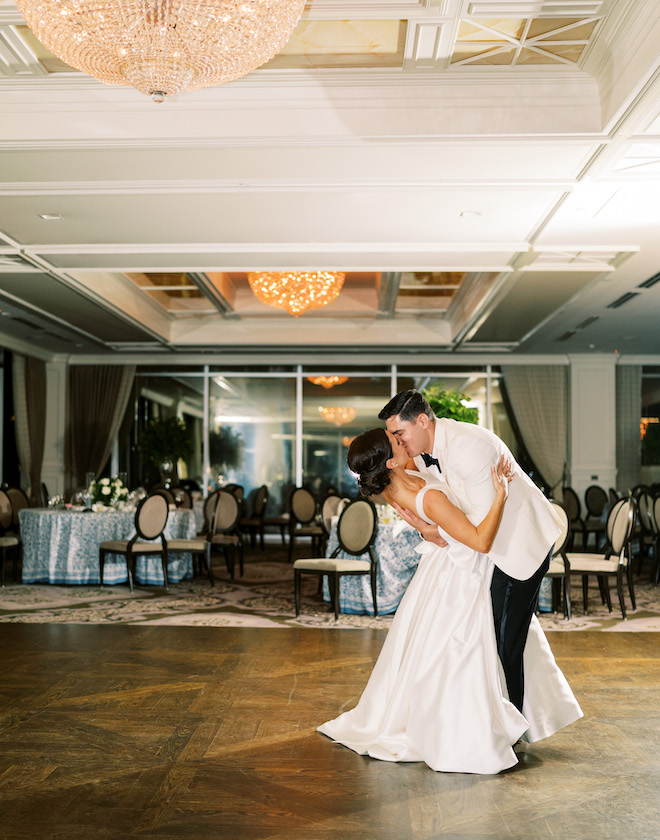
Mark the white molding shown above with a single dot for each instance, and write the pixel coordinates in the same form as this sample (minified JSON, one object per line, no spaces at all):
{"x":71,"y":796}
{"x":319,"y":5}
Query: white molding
{"x":277,"y":247}
{"x":209,"y":186}
{"x":206,"y":143}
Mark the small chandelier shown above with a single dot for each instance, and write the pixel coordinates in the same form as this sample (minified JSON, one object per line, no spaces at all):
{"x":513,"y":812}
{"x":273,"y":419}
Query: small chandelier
{"x":296,"y":291}
{"x":327,"y":381}
{"x":163,"y":47}
{"x":337,"y":415}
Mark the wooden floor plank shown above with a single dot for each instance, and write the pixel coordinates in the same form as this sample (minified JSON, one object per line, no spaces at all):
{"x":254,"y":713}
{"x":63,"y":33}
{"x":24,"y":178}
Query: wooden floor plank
{"x":174,"y":732}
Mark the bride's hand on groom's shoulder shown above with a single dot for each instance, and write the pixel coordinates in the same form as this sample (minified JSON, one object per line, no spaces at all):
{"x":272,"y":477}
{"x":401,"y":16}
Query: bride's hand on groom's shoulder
{"x":502,"y":475}
{"x":427,"y":532}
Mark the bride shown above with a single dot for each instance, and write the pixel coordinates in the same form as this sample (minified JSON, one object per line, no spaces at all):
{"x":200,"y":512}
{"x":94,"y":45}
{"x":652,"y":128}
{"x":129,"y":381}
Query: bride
{"x":437,"y":692}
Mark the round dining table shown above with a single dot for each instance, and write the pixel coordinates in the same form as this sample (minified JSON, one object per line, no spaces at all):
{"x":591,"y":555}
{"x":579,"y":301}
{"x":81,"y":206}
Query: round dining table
{"x":62,"y":546}
{"x":397,"y":562}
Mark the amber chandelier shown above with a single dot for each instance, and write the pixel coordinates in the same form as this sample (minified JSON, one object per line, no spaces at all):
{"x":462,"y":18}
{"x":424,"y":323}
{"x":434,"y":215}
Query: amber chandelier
{"x":327,"y":381}
{"x":296,"y":291}
{"x":163,"y":47}
{"x":337,"y":415}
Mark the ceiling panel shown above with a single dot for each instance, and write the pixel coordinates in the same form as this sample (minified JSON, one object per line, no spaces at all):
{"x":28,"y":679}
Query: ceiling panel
{"x":395,"y":215}
{"x":531,"y":298}
{"x":381,"y":162}
{"x":53,"y":298}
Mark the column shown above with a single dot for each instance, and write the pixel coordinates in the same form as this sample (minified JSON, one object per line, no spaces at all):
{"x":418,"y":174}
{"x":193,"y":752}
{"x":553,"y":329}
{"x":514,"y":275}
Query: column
{"x":592,"y":443}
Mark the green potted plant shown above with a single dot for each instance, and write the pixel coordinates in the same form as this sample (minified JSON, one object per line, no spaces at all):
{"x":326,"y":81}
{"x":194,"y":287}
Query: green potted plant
{"x":163,"y":442}
{"x":225,"y":449}
{"x":450,"y":404}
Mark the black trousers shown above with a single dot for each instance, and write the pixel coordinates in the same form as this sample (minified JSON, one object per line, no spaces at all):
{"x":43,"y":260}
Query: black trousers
{"x":514,"y":602}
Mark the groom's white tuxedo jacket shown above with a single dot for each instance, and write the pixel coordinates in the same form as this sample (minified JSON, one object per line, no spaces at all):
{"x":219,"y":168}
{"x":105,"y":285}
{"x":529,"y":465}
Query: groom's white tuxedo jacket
{"x":530,"y":525}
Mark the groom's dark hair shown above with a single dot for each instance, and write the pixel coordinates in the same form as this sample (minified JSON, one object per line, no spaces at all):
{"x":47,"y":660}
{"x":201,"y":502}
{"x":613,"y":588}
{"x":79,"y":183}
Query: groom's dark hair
{"x":408,"y":405}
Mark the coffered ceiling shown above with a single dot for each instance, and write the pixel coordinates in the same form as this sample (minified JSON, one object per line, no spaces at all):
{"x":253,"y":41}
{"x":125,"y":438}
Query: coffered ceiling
{"x":486,"y":173}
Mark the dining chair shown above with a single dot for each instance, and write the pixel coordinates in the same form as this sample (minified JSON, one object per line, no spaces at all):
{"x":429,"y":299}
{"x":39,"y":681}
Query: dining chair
{"x":7,"y":541}
{"x":576,"y":523}
{"x":655,"y":574}
{"x":199,"y":547}
{"x":236,"y":490}
{"x":282,"y":519}
{"x":595,"y":500}
{"x":254,"y":524}
{"x":150,"y":521}
{"x":19,"y":501}
{"x":303,"y":520}
{"x":225,"y":533}
{"x":644,"y":532}
{"x":208,"y":512}
{"x":560,"y":567}
{"x":356,"y":532}
{"x":166,"y":492}
{"x":329,"y":509}
{"x":615,"y":561}
{"x":182,"y":498}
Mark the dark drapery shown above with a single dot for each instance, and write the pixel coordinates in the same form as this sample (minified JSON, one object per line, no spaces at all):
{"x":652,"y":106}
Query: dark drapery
{"x":98,"y":395}
{"x":29,"y":381}
{"x":35,"y":398}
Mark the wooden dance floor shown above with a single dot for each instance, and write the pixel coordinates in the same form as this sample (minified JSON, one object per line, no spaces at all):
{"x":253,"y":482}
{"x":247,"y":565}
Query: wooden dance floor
{"x":175,"y":732}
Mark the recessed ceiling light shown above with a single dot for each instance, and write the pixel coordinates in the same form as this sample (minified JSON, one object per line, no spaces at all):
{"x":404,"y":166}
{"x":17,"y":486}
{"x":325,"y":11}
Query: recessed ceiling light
{"x":469,"y":214}
{"x":50,"y":217}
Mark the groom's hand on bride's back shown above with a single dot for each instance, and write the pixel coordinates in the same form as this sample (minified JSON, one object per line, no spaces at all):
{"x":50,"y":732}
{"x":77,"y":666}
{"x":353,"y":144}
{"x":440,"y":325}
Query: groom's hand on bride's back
{"x":427,"y":532}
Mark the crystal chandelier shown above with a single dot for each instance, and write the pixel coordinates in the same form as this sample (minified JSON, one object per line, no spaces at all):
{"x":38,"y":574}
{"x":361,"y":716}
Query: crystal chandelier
{"x":163,"y":47}
{"x":337,"y":415}
{"x":327,"y":381}
{"x":296,"y":291}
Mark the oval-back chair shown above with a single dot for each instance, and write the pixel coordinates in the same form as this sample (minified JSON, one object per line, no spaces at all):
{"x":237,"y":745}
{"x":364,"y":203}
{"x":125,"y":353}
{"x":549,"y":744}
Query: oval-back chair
{"x":225,"y":533}
{"x":356,"y":533}
{"x":560,"y":567}
{"x":150,"y":521}
{"x":614,"y":562}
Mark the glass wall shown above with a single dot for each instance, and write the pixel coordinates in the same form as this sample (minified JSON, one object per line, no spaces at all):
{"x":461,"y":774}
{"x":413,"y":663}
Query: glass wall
{"x":336,"y":408}
{"x":252,"y":433}
{"x":284,"y":426}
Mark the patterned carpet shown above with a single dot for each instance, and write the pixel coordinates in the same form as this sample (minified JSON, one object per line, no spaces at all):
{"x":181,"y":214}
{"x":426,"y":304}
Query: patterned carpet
{"x":263,"y":597}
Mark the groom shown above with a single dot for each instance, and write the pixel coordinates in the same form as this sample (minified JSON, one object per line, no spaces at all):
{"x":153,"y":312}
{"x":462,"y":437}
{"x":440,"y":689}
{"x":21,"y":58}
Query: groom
{"x":521,"y":552}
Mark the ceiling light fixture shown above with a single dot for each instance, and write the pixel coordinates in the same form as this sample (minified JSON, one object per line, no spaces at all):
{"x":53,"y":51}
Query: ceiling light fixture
{"x":327,"y":381}
{"x":163,"y":47}
{"x":336,"y":414}
{"x":50,"y":217}
{"x":296,"y":291}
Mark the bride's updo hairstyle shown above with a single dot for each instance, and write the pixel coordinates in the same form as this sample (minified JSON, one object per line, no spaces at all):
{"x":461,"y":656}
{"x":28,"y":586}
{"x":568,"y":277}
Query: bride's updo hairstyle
{"x":367,"y":456}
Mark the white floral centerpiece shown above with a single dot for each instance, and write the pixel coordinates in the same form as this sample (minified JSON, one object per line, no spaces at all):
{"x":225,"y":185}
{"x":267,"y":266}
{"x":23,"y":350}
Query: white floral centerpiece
{"x":107,"y":492}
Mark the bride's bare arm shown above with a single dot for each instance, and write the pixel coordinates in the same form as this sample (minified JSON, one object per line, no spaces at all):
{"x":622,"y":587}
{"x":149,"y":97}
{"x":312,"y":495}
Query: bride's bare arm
{"x":427,"y":532}
{"x":452,"y":519}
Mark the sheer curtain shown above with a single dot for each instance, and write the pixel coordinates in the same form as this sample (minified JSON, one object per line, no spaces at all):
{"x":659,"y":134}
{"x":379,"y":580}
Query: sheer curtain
{"x":98,"y":396}
{"x":538,"y":395}
{"x":29,"y":377}
{"x":628,"y":414}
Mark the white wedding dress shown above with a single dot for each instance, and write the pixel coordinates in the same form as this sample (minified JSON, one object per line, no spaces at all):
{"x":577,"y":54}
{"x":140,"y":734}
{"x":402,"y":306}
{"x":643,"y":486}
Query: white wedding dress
{"x":437,"y":692}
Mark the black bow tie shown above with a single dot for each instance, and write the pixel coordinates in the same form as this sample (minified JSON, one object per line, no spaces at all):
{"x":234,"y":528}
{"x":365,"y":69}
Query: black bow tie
{"x":429,"y":460}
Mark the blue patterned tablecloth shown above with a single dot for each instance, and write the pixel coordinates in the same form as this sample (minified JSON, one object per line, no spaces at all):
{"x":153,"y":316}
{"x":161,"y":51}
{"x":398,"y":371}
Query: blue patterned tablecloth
{"x":395,"y":549}
{"x":61,"y":546}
